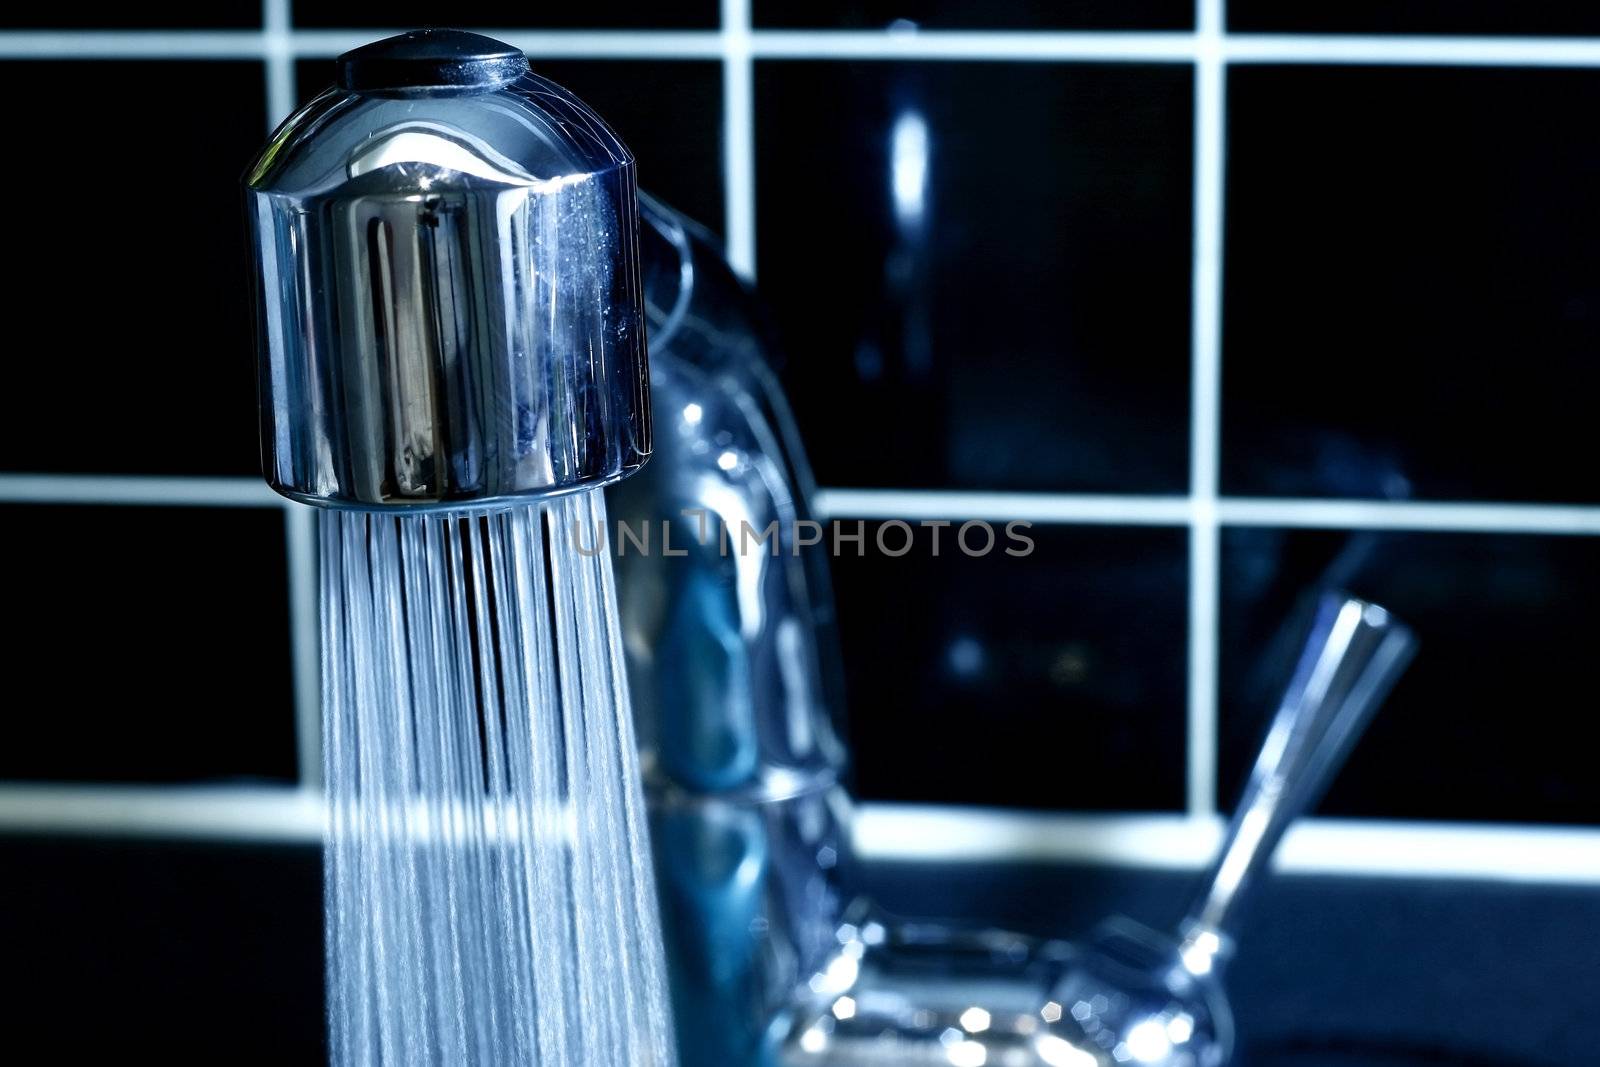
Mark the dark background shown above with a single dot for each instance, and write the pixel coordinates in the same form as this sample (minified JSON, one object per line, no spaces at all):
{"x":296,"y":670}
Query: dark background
{"x":1411,"y":312}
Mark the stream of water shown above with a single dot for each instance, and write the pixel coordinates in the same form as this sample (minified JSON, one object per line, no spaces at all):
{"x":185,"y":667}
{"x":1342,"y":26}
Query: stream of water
{"x":488,"y":886}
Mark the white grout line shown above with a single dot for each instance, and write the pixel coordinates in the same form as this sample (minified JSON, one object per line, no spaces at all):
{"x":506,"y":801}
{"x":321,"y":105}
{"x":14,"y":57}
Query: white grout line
{"x":1205,"y":418}
{"x":550,"y":44}
{"x":983,"y":45}
{"x":233,"y":813}
{"x":1136,"y":510}
{"x":841,"y":44}
{"x":1200,"y":733}
{"x":325,"y":44}
{"x":916,"y":504}
{"x":300,"y":532}
{"x":1542,"y":854}
{"x":299,"y":523}
{"x":1419,"y":51}
{"x":893,"y":832}
{"x":913,"y":504}
{"x":131,"y":44}
{"x":141,"y":489}
{"x":738,"y":138}
{"x":280,"y":55}
{"x":1571,"y":519}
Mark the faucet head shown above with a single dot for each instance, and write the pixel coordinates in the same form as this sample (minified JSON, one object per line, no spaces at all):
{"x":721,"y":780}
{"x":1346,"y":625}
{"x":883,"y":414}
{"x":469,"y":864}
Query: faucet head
{"x":449,"y":307}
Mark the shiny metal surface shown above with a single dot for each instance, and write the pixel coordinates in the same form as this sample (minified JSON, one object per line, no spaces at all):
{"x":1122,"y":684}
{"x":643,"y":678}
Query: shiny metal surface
{"x":449,"y":302}
{"x":736,"y":685}
{"x":1127,"y":994}
{"x":1139,"y":995}
{"x":1353,"y":655}
{"x":776,"y":957}
{"x":749,"y":904}
{"x":896,"y":992}
{"x":735,"y":672}
{"x":731,"y":662}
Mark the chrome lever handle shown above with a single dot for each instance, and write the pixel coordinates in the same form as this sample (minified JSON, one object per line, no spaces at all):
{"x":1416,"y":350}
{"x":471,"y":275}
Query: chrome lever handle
{"x":1351,"y":658}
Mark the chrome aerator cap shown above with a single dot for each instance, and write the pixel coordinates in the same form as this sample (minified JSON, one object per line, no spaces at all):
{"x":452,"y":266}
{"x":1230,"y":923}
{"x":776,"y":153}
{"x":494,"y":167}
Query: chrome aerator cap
{"x":449,"y":305}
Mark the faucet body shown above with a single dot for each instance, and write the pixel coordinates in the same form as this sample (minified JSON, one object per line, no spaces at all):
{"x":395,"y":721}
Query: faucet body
{"x":737,"y":687}
{"x":447,"y":291}
{"x":728,"y":626}
{"x":777,"y":957}
{"x":452,"y":363}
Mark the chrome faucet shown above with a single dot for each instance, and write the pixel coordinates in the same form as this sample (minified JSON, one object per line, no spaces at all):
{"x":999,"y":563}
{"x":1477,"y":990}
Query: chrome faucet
{"x":734,"y":671}
{"x":776,"y":956}
{"x":737,"y":686}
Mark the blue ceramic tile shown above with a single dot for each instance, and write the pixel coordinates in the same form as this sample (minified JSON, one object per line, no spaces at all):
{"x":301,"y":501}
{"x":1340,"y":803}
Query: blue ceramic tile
{"x":131,"y":283}
{"x":146,"y":645}
{"x":1484,"y":724}
{"x":1054,"y":680}
{"x":1413,"y":298}
{"x":980,"y":272}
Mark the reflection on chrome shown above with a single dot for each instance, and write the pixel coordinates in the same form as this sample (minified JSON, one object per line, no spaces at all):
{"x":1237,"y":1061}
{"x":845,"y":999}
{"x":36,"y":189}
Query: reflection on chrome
{"x":1127,"y":994}
{"x":1059,"y":1052}
{"x":1148,"y":1042}
{"x":963,"y":1053}
{"x":775,"y":952}
{"x":433,"y":146}
{"x":729,"y":658}
{"x":1138,"y":996}
{"x":371,"y":366}
{"x":840,"y":973}
{"x":908,"y":165}
{"x":925,"y":994}
{"x":966,"y":657}
{"x":1199,"y":951}
{"x":975,"y":1020}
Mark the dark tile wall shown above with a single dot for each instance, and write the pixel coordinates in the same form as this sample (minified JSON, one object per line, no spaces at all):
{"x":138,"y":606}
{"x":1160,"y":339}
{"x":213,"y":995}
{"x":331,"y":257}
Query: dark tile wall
{"x":143,"y":645}
{"x":981,"y":276}
{"x":1016,"y":319}
{"x":210,"y":952}
{"x":146,"y":645}
{"x":1049,"y":680}
{"x":1482,"y":725}
{"x":669,"y":113}
{"x":126,"y":280}
{"x":1413,"y":299}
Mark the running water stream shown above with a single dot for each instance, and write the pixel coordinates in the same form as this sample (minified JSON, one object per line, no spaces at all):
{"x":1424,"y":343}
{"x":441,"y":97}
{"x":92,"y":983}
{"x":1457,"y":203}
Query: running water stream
{"x":488,"y":887}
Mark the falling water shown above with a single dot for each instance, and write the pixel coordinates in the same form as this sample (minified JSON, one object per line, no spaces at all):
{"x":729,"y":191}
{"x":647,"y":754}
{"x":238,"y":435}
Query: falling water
{"x":488,"y":889}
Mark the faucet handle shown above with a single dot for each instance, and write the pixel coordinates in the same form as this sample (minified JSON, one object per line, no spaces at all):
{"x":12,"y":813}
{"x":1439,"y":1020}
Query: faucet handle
{"x":1351,"y":658}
